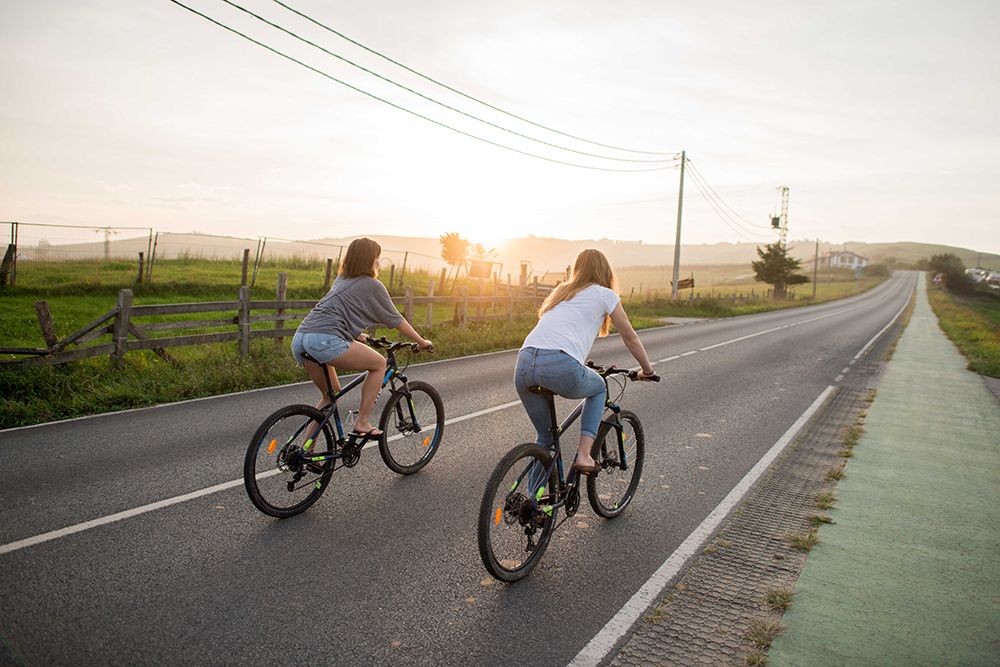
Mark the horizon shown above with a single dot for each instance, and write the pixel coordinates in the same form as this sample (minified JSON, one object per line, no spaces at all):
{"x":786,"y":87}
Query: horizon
{"x":879,"y":121}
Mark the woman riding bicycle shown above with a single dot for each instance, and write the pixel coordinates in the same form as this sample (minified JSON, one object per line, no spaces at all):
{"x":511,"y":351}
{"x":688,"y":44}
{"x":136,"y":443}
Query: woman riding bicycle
{"x":553,"y":354}
{"x":355,"y":302}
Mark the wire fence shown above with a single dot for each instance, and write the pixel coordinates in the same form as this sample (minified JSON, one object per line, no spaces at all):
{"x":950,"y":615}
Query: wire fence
{"x":37,"y":255}
{"x":40,"y":255}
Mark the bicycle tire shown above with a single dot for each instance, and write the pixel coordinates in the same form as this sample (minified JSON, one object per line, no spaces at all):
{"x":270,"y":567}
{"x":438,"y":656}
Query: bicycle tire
{"x":403,"y":450}
{"x":266,"y":477}
{"x":611,"y":490}
{"x":503,"y":515}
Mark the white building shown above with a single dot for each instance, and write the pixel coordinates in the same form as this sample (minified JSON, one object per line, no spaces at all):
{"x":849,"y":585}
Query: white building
{"x":844,"y":259}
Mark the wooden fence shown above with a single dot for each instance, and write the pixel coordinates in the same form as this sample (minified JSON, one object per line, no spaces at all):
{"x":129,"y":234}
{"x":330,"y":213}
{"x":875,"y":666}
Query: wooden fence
{"x":127,"y":331}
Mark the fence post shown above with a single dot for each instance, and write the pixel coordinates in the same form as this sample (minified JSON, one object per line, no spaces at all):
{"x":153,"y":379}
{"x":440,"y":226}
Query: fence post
{"x":430,"y":304}
{"x":152,"y":258}
{"x":246,"y":264}
{"x":329,"y":273}
{"x":7,"y":266}
{"x":45,"y":321}
{"x":392,"y":275}
{"x":139,"y":277}
{"x":243,"y":321}
{"x":510,"y":305}
{"x":442,"y":279}
{"x":408,"y":307}
{"x":464,"y":306}
{"x":279,"y":322}
{"x":482,"y":291}
{"x":120,"y":331}
{"x":402,"y":269}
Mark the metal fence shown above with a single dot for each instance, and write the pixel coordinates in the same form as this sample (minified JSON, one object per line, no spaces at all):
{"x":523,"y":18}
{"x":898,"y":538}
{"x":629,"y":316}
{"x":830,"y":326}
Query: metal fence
{"x":37,"y":254}
{"x":40,"y":255}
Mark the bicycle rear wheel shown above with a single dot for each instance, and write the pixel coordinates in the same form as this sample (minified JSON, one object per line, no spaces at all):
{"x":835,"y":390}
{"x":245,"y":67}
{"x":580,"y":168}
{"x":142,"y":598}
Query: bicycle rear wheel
{"x":280,"y":477}
{"x":403,"y":448}
{"x":516,"y":518}
{"x":612,"y":489}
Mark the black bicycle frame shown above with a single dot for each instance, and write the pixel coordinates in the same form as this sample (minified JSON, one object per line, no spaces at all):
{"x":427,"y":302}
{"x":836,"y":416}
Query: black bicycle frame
{"x":392,"y":374}
{"x":567,"y":483}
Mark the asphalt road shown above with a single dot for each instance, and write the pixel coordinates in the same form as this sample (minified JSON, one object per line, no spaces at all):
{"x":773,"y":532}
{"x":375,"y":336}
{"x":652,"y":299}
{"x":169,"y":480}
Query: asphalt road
{"x":385,"y":568}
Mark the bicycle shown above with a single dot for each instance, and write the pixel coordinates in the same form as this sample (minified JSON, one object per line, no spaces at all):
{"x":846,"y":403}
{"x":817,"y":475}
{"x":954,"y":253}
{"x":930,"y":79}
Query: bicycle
{"x":288,"y":464}
{"x":523,"y":495}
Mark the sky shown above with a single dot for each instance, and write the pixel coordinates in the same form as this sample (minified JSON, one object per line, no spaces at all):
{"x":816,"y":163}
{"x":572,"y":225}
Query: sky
{"x":880,"y":117}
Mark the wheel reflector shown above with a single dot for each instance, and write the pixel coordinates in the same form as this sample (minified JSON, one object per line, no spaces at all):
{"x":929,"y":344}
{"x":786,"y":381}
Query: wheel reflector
{"x":427,"y":441}
{"x":270,"y":447}
{"x":496,"y":519}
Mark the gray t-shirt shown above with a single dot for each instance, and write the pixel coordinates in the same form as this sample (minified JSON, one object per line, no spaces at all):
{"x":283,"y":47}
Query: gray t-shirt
{"x":351,"y":306}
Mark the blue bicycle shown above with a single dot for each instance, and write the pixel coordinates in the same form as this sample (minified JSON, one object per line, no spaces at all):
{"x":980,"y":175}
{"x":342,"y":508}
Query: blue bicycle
{"x":296,"y":450}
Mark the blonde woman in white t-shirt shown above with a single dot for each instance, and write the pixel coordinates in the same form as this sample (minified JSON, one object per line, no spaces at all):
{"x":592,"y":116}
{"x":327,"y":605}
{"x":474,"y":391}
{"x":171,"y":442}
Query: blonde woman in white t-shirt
{"x":554,"y":353}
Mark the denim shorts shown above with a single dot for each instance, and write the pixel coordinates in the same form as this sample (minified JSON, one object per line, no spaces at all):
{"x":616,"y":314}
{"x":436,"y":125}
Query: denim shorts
{"x":322,"y":347}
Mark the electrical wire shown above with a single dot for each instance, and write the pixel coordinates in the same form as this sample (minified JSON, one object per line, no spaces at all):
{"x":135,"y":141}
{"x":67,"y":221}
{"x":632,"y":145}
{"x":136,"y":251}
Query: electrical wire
{"x":402,"y":108}
{"x":722,"y":201}
{"x":698,"y":179}
{"x":459,"y":92}
{"x":428,"y":98}
{"x":721,"y":214}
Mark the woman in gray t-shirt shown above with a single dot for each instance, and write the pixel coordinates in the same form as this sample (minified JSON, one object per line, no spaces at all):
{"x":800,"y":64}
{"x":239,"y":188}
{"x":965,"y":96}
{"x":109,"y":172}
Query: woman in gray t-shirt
{"x":328,"y":333}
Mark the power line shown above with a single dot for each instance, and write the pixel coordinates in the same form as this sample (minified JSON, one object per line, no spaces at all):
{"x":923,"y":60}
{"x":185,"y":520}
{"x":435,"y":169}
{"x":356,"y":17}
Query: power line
{"x":714,"y":198}
{"x":459,"y":92}
{"x":722,"y":201}
{"x":719,"y":212}
{"x":402,"y":108}
{"x":428,"y":98}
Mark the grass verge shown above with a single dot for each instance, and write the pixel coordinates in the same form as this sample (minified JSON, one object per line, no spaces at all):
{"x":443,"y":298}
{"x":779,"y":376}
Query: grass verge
{"x":973,"y":324}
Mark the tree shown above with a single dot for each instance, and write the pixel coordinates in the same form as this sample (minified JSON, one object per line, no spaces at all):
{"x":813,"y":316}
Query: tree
{"x":953,"y":268}
{"x":777,"y":268}
{"x":454,"y":250}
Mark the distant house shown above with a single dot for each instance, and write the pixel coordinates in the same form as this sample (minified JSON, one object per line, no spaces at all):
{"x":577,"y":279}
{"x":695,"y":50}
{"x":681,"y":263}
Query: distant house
{"x":844,"y":259}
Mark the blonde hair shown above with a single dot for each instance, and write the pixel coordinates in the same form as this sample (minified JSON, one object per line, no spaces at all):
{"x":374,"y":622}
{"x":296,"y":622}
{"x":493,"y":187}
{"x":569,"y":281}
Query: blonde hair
{"x":360,"y":258}
{"x":590,"y":268}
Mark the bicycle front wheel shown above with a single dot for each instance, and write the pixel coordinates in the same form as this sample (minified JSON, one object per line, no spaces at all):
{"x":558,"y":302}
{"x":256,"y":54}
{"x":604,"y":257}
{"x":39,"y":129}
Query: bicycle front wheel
{"x":280,"y":472}
{"x":412,"y":425}
{"x":620,"y":457}
{"x":516,"y":517}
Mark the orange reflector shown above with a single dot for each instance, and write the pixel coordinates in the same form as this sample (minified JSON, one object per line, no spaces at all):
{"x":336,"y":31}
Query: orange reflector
{"x":427,"y":441}
{"x":496,"y":519}
{"x":270,"y":447}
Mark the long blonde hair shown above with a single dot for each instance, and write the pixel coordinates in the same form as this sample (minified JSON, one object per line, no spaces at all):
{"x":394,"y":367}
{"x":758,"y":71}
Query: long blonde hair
{"x":590,"y":268}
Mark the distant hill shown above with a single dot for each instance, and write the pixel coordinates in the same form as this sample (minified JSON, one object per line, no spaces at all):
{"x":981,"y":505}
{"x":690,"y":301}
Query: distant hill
{"x":543,"y":254}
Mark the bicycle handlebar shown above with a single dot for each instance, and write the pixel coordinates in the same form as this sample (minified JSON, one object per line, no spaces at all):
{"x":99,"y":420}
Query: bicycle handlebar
{"x":384,"y":343}
{"x":605,"y":371}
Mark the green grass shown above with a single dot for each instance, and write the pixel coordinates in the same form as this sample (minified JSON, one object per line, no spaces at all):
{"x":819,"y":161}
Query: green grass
{"x":77,"y":295}
{"x":804,"y":541}
{"x":973,"y":324}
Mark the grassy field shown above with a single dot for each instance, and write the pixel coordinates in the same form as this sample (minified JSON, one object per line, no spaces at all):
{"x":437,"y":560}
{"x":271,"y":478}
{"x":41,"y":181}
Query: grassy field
{"x":973,"y":324}
{"x":92,"y":386}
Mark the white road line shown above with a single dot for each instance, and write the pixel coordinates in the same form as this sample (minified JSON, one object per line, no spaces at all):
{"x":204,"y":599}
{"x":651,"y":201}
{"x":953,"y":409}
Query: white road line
{"x":160,"y":504}
{"x":847,"y":369}
{"x":883,"y":330}
{"x":605,"y":640}
{"x":93,"y":523}
{"x":838,"y":378}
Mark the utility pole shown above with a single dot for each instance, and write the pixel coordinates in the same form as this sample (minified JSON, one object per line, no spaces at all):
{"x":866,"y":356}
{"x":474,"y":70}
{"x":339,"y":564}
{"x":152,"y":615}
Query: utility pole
{"x":677,"y":241}
{"x":815,"y":268}
{"x":784,"y":216}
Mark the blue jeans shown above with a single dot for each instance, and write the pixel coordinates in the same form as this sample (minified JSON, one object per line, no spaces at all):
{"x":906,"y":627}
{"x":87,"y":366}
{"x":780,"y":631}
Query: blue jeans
{"x":560,"y":373}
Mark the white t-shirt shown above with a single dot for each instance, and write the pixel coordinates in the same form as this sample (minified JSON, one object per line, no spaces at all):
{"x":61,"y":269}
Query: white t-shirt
{"x":572,"y":326}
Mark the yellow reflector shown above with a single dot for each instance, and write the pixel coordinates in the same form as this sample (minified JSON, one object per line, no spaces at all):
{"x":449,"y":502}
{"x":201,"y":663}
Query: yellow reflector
{"x":270,"y":447}
{"x":427,"y":441}
{"x":496,"y":519}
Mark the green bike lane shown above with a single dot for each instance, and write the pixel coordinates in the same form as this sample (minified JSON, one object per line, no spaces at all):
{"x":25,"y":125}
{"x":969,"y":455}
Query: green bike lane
{"x":909,"y":573}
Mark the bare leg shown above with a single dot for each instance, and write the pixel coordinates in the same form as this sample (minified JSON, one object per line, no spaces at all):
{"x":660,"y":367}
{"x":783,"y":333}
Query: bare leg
{"x":583,"y":451}
{"x":360,"y":357}
{"x":315,"y":372}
